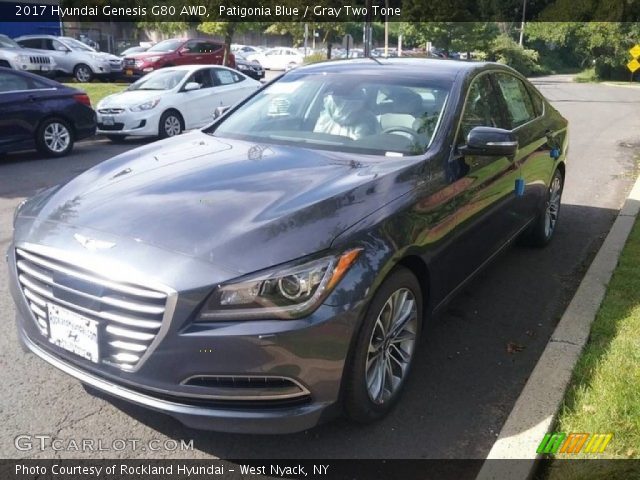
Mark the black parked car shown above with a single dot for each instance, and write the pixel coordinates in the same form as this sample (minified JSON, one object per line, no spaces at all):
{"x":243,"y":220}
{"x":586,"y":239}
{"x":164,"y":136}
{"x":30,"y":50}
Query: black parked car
{"x":276,"y":268}
{"x":43,"y":113}
{"x":250,"y":69}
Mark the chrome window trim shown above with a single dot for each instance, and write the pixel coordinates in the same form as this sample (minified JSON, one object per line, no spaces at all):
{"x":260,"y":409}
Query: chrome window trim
{"x":30,"y":90}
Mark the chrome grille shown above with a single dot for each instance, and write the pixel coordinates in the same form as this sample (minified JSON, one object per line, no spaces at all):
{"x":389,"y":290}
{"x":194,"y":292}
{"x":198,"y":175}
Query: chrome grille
{"x":110,"y":111}
{"x":43,"y":60}
{"x":129,"y":316}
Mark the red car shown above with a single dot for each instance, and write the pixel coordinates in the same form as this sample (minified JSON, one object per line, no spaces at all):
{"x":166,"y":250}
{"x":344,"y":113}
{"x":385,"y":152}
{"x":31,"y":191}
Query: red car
{"x":169,"y":53}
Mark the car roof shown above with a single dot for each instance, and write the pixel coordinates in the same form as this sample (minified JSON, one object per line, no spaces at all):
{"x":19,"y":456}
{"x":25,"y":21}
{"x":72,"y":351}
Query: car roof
{"x":417,"y":67}
{"x":192,"y":68}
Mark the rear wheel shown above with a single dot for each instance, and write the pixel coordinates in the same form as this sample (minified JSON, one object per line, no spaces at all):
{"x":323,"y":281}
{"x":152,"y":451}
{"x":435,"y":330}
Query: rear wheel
{"x":54,"y":137}
{"x":385,"y":348}
{"x":543,"y":228}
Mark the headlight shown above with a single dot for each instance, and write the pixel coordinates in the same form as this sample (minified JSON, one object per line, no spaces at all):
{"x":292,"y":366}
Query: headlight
{"x":286,"y":292}
{"x":242,"y":67}
{"x":23,"y":58}
{"x":146,"y":105}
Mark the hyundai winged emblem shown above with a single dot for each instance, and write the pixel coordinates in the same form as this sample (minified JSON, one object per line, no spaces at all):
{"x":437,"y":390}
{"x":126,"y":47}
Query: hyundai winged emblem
{"x":93,"y":244}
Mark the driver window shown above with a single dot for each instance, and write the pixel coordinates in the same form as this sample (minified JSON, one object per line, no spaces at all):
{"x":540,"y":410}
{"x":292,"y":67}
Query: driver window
{"x":203,"y":77}
{"x":482,"y":108}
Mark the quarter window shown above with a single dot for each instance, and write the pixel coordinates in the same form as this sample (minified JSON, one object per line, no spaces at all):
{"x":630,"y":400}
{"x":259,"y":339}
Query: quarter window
{"x":519,"y":105}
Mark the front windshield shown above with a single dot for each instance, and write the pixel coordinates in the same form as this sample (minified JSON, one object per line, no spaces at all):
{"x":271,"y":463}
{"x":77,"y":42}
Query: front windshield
{"x":381,"y":115}
{"x":6,"y":42}
{"x":166,"y":46}
{"x":74,"y":44}
{"x":159,"y":80}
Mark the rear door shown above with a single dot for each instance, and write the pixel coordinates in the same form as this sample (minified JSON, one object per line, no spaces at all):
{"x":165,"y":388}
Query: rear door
{"x":20,"y":104}
{"x":231,"y":87}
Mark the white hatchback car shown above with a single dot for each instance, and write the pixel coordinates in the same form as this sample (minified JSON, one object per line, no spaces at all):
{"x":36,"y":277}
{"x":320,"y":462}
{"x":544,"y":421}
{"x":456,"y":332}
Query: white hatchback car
{"x":168,"y":101}
{"x":280,"y":58}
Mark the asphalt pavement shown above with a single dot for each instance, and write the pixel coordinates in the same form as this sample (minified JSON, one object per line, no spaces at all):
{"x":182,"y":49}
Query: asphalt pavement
{"x":469,"y":370}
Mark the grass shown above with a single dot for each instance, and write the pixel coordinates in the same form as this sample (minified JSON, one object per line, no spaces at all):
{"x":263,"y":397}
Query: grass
{"x":587,"y":76}
{"x":97,"y":91}
{"x":604,"y":394}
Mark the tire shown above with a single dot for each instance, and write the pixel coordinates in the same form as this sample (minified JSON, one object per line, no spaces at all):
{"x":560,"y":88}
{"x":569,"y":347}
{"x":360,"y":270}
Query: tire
{"x":82,"y":73}
{"x":54,"y":137}
{"x":170,"y":124}
{"x":365,"y":397}
{"x":544,"y":226}
{"x":116,"y":138}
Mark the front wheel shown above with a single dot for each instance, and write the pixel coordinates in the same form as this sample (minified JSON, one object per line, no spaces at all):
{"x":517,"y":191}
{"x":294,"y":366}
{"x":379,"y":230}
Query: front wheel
{"x":82,"y":73}
{"x":385,"y":348}
{"x":54,"y":137}
{"x":170,"y":124}
{"x":543,"y":228}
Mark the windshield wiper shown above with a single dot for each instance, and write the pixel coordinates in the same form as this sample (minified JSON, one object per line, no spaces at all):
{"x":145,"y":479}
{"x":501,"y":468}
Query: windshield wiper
{"x":304,"y":140}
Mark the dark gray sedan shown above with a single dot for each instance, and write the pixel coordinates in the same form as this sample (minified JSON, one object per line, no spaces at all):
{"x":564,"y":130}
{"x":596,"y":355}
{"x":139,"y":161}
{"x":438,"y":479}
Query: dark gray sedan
{"x":276,"y":268}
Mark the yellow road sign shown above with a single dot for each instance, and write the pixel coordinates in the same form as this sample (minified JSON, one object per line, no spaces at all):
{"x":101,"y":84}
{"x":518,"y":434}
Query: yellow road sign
{"x":633,"y":65}
{"x":635,"y":51}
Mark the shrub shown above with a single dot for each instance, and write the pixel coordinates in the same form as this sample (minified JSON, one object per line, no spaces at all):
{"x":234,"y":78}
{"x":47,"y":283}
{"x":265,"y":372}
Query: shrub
{"x":506,"y":51}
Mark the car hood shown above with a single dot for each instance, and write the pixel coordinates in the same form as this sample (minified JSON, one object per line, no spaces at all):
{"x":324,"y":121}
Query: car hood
{"x":231,"y":203}
{"x":130,"y":98}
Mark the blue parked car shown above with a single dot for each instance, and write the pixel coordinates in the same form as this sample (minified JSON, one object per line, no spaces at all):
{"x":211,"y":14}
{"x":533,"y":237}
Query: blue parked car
{"x":42,"y":113}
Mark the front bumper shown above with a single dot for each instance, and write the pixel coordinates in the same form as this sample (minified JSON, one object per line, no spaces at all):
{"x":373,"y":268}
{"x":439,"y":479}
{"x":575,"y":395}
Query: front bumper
{"x":129,"y":123}
{"x":311,"y":352}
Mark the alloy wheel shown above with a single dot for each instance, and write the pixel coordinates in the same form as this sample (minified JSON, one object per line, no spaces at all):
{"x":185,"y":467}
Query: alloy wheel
{"x":391,"y":346}
{"x":553,"y":206}
{"x":57,"y":137}
{"x":83,"y":74}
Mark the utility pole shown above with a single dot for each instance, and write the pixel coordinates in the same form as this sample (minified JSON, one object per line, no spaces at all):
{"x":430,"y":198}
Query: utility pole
{"x":386,"y":28}
{"x":524,"y":12}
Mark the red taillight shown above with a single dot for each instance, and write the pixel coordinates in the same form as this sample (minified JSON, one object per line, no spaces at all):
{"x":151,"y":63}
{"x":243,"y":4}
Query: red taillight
{"x":82,"y":98}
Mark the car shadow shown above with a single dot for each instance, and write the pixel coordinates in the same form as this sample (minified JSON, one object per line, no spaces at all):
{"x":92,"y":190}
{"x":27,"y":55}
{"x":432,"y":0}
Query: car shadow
{"x":468,"y":373}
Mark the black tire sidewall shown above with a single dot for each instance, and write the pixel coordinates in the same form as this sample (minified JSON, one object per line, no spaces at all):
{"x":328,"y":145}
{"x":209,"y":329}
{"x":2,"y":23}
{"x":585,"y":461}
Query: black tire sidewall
{"x":358,"y":406}
{"x":42,"y":145}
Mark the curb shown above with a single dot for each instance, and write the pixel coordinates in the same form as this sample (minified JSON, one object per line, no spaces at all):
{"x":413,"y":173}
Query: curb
{"x":535,"y":410}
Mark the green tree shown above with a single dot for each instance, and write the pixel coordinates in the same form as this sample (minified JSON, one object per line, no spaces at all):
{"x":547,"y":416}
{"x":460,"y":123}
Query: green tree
{"x":451,"y":36}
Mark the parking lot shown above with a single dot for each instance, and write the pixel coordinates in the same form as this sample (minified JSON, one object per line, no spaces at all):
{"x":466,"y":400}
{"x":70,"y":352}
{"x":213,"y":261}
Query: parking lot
{"x":469,"y":371}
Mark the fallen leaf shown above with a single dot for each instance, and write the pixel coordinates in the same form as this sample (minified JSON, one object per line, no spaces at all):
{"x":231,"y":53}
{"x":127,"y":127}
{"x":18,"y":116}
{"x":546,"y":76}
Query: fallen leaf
{"x":513,"y":347}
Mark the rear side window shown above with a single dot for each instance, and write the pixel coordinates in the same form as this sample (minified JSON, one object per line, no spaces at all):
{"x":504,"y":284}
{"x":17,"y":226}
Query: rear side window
{"x":538,"y":102}
{"x":10,"y":82}
{"x":226,"y":77}
{"x":520,"y":108}
{"x":31,"y":43}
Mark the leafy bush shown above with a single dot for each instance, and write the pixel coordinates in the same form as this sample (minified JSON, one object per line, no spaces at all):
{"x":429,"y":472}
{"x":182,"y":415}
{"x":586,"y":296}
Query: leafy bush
{"x":506,"y":51}
{"x":586,"y":76}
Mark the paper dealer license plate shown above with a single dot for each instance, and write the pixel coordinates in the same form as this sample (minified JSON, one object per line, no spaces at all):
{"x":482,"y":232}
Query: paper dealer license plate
{"x":73,"y":332}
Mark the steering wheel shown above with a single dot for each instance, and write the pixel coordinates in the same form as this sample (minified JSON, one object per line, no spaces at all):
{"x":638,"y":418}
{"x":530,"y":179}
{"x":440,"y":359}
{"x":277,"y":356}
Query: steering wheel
{"x":415,"y":136}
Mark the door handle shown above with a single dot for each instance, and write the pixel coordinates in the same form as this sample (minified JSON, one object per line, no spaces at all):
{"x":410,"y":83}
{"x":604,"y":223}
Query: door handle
{"x":31,"y":98}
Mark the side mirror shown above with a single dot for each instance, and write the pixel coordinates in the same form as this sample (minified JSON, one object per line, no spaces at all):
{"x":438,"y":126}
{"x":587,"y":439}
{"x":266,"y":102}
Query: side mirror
{"x":219,"y":111}
{"x":191,"y":86}
{"x":490,"y":141}
{"x":183,"y":50}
